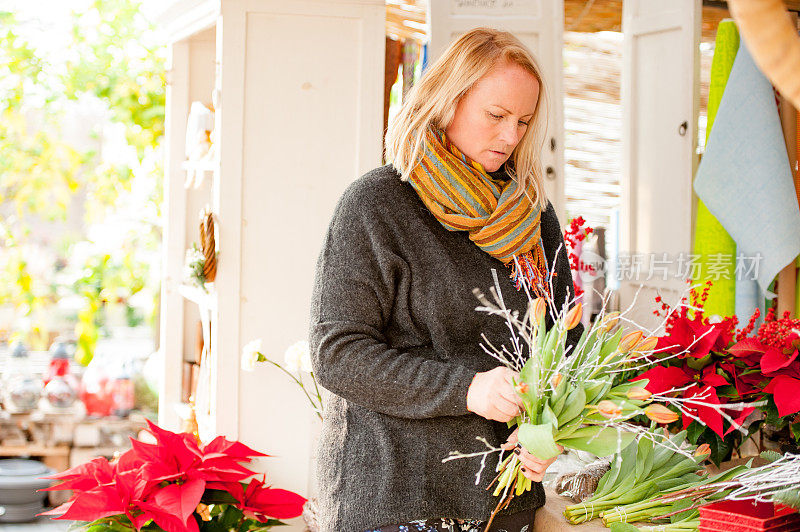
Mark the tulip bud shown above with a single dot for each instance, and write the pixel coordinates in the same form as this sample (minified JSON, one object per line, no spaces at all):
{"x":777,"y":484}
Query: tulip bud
{"x":521,"y":388}
{"x":629,"y":341}
{"x":203,"y":511}
{"x":573,"y":317}
{"x":660,"y":414}
{"x":610,"y":321}
{"x":609,"y":409}
{"x":702,"y":450}
{"x":637,"y":393}
{"x":538,"y":310}
{"x":556,"y":380}
{"x":646,"y":344}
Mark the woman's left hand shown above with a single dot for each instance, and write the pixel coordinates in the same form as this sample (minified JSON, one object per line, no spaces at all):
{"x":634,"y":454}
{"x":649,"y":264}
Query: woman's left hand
{"x":532,"y":467}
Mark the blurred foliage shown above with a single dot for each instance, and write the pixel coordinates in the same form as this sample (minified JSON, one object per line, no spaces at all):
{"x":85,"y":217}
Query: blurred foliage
{"x":113,"y":58}
{"x":115,"y":62}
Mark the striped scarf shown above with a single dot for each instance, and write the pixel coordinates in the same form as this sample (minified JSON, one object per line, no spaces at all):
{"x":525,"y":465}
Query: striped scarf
{"x":464,"y":197}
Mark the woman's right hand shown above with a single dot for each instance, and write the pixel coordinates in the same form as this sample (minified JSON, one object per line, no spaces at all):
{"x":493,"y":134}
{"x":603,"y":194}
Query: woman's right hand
{"x":491,"y":395}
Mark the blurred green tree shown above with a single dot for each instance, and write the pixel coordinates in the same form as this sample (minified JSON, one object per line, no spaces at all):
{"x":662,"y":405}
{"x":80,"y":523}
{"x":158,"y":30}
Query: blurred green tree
{"x":113,"y":57}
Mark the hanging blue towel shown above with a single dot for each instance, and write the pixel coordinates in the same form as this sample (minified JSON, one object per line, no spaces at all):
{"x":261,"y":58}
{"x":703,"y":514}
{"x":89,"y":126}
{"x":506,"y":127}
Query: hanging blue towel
{"x":745,"y":181}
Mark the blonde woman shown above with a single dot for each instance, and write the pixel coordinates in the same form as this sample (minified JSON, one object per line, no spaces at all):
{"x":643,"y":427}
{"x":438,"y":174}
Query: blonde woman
{"x":394,"y":333}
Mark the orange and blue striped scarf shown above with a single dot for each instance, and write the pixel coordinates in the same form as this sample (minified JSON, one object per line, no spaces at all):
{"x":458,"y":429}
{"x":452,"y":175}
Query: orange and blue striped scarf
{"x":464,"y":197}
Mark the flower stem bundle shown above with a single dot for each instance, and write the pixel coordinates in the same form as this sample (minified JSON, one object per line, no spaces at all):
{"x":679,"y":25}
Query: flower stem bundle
{"x":655,"y":464}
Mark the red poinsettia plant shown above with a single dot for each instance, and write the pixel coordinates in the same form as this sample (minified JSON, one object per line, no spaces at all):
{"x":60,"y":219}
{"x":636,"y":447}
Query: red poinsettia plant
{"x":175,"y":485}
{"x":707,"y":357}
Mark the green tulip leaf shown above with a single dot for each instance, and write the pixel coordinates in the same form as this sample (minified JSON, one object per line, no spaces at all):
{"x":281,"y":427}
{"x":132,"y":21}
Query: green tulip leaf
{"x":600,"y":441}
{"x":538,"y":440}
{"x":576,"y":402}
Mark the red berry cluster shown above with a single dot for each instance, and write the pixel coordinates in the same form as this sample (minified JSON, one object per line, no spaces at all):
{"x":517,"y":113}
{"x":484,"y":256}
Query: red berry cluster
{"x":696,"y":303}
{"x":782,"y":333}
{"x":744,"y":333}
{"x":572,"y":235}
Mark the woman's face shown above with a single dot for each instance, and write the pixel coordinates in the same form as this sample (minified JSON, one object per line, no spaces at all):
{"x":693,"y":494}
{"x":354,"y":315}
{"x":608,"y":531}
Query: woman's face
{"x":492,"y":117}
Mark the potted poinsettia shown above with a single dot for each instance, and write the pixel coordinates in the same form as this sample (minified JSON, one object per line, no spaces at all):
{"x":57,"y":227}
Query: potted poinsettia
{"x":709,"y":357}
{"x":175,"y":485}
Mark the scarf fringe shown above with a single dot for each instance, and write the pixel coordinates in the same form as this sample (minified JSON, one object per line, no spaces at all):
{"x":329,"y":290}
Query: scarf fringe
{"x":532,"y":271}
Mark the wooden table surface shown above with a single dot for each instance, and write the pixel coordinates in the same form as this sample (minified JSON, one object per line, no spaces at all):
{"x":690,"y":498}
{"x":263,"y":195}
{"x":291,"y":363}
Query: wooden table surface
{"x":550,"y":518}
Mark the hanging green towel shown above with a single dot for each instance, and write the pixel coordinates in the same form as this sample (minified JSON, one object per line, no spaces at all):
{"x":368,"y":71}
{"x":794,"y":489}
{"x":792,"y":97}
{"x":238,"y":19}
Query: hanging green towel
{"x":797,"y":289}
{"x":711,"y":241}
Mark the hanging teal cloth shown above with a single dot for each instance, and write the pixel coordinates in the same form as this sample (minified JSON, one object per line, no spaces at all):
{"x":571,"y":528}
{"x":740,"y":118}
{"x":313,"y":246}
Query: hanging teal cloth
{"x":745,"y":181}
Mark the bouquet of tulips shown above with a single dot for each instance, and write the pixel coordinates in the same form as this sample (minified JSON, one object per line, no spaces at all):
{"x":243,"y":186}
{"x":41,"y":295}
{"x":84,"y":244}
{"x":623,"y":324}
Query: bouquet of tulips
{"x":572,"y":397}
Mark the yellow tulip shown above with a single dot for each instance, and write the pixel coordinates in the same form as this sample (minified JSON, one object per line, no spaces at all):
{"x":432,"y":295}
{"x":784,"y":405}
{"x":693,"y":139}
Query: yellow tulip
{"x":637,"y":393}
{"x":702,"y":450}
{"x":573,"y":317}
{"x":609,"y":409}
{"x":646,"y":345}
{"x":660,"y":414}
{"x":629,"y":341}
{"x":610,"y":321}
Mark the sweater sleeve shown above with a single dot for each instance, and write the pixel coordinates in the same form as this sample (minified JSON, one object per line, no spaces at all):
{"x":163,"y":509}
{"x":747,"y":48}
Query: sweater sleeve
{"x":353,"y":298}
{"x":563,"y":287}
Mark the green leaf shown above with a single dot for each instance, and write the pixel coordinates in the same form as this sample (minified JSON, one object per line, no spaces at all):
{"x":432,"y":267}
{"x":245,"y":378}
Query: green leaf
{"x":538,"y":440}
{"x":694,"y":431}
{"x":576,"y":402}
{"x":720,"y":449}
{"x":610,"y":345}
{"x":795,"y":428}
{"x":549,"y":417}
{"x":622,"y":527}
{"x":600,"y":441}
{"x":598,"y":390}
{"x":789,"y":497}
{"x":549,"y":347}
{"x":559,"y":397}
{"x":678,"y":506}
{"x":770,"y":456}
{"x":644,"y":458}
{"x":211,"y":496}
{"x":622,"y":389}
{"x":620,"y":462}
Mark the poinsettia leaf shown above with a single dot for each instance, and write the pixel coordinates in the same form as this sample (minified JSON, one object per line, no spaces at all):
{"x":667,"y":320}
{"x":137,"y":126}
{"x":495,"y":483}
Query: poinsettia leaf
{"x":277,"y":503}
{"x":708,"y":415}
{"x":746,"y":347}
{"x":103,"y":501}
{"x":180,"y":499}
{"x":738,"y":419}
{"x":663,"y":378}
{"x":774,"y":359}
{"x":784,"y":392}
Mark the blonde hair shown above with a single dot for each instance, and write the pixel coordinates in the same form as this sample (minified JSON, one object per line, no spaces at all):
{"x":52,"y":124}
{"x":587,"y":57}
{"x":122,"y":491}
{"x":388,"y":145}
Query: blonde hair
{"x":433,"y":101}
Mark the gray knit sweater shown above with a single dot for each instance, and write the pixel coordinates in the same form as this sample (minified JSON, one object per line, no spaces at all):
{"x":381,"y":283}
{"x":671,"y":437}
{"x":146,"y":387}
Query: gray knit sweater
{"x":395,"y":338}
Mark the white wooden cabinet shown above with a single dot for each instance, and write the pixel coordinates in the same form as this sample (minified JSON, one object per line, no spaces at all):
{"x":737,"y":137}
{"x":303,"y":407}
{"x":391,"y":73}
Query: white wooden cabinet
{"x":299,"y":117}
{"x":660,"y":98}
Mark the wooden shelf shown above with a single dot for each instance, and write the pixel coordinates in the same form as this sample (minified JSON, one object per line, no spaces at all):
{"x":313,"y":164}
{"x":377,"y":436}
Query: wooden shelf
{"x":34,"y":450}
